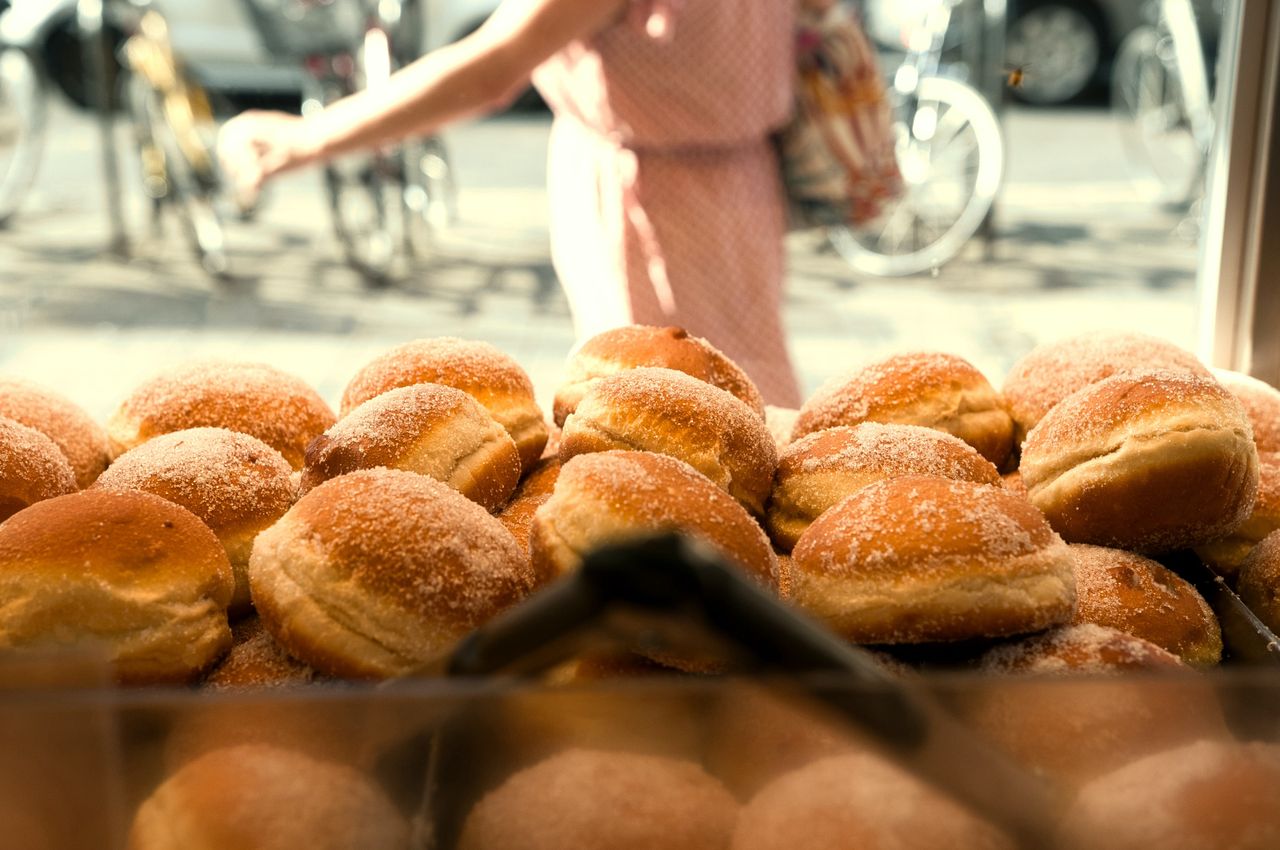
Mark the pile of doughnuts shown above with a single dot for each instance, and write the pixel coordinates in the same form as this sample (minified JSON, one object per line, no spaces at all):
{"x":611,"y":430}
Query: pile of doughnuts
{"x":226,"y":527}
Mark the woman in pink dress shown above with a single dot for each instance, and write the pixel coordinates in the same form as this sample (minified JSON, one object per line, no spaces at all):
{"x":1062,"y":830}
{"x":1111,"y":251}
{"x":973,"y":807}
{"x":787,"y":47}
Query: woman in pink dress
{"x":666,"y":207}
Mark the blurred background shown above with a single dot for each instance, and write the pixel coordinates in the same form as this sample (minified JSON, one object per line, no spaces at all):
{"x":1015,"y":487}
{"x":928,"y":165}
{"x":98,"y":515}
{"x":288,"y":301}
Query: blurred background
{"x":1054,"y":152}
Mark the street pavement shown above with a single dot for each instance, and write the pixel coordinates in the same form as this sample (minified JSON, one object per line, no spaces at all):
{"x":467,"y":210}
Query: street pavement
{"x":1076,"y":246}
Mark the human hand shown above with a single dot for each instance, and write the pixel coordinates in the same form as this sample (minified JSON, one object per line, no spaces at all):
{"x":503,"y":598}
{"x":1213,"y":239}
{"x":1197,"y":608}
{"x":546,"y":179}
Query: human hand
{"x":256,"y":145}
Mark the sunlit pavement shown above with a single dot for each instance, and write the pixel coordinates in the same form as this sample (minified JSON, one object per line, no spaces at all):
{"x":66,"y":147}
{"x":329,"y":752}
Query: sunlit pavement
{"x":1077,"y":246}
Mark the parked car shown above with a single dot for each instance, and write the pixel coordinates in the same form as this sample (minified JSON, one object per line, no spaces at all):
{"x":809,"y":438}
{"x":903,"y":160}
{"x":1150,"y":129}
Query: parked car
{"x":1065,"y":46}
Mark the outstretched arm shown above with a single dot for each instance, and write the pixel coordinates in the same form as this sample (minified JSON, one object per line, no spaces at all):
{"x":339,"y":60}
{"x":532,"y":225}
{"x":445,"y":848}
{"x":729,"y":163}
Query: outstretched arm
{"x":477,"y":74}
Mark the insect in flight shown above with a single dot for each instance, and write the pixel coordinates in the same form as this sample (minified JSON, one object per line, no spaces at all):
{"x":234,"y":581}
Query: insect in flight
{"x":1014,"y":75}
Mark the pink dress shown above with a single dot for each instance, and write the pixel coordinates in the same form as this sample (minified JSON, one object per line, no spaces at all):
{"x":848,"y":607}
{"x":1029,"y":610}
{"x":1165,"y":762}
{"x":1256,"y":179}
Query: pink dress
{"x":666,"y":206}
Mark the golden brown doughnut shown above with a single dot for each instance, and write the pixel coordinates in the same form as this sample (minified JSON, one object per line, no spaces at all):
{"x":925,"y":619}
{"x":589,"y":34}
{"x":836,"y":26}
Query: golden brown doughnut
{"x":635,"y":346}
{"x":670,"y":413}
{"x":1227,"y":553}
{"x":1148,"y":461}
{"x":1055,"y":370}
{"x":257,"y":797}
{"x":1142,"y":598}
{"x":609,"y":497}
{"x":234,"y":483}
{"x":858,"y":800}
{"x":131,"y":572}
{"x":1202,"y":796}
{"x":822,"y":468}
{"x":1261,"y":403}
{"x":429,"y":429}
{"x":252,"y":398}
{"x":1080,"y":701}
{"x":532,"y":493}
{"x":1012,"y":482}
{"x":257,"y":661}
{"x":375,"y":573}
{"x":1259,"y":582}
{"x":781,"y":421}
{"x":919,"y":559}
{"x":477,"y":368}
{"x":81,"y":439}
{"x":32,"y":468}
{"x":939,"y":391}
{"x":598,"y":800}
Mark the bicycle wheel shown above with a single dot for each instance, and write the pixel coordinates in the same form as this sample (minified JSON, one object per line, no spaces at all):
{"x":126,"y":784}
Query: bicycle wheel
{"x":952,"y":160}
{"x":173,"y":177}
{"x":23,"y":108}
{"x":429,"y":200}
{"x":363,"y":197}
{"x":1147,"y":100}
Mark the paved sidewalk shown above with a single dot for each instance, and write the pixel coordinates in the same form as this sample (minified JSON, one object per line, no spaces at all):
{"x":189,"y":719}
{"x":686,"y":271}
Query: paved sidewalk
{"x":1077,"y":249}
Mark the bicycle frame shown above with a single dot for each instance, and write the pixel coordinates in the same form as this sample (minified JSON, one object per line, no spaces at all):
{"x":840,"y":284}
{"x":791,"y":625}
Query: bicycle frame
{"x":1193,"y":77}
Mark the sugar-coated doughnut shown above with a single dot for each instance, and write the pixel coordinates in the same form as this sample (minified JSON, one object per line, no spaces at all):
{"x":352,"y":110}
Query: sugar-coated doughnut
{"x":668,"y":412}
{"x":598,"y":800}
{"x":430,"y":429}
{"x":236,"y":484}
{"x":939,"y":391}
{"x":477,"y":368}
{"x":781,"y":421}
{"x":1082,"y":648}
{"x":822,"y":468}
{"x":634,"y":346}
{"x":1143,"y":598}
{"x":532,"y":493}
{"x":920,"y":559}
{"x":1012,"y":482}
{"x":1206,"y":795}
{"x":32,"y":468}
{"x":257,"y":661}
{"x":1261,"y":404}
{"x":81,"y":439}
{"x":859,"y":800}
{"x":257,"y":797}
{"x":1148,"y":461}
{"x":610,"y":497}
{"x":375,"y":573}
{"x":1259,"y":582}
{"x":252,"y":398}
{"x":1226,"y":554}
{"x":131,"y":573}
{"x":1055,"y":370}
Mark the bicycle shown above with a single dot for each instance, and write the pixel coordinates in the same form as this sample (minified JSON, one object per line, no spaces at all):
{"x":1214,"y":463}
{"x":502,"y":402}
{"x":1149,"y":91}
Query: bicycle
{"x":386,"y":204}
{"x":42,"y":49}
{"x":1162,"y":94}
{"x":950,"y":152}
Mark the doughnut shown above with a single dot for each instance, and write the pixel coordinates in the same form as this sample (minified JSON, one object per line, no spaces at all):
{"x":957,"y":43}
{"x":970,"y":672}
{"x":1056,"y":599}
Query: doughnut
{"x":822,"y":468}
{"x":1259,"y":582}
{"x":1206,"y":795}
{"x":1012,"y":482}
{"x":599,"y":800}
{"x":236,"y":484}
{"x":1227,"y":553}
{"x":81,"y":439}
{"x":635,"y":346}
{"x":375,"y":573}
{"x":532,"y":493}
{"x":32,"y":468}
{"x":1149,"y":461}
{"x":1055,"y":370}
{"x":609,"y":497}
{"x":431,"y":429}
{"x":1142,"y":598}
{"x":1261,"y":403}
{"x":918,"y":559}
{"x":781,"y":421}
{"x":670,"y":413}
{"x":858,"y":800}
{"x":1066,"y":705}
{"x":252,"y":398}
{"x":257,"y":797}
{"x":257,"y":661}
{"x":131,"y":573}
{"x":939,"y":391}
{"x":477,"y":368}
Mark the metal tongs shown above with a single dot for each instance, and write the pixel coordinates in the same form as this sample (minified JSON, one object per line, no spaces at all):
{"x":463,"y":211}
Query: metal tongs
{"x":673,"y":593}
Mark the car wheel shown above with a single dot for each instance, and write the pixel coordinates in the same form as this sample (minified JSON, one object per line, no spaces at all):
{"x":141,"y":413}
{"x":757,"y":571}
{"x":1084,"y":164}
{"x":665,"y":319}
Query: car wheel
{"x":1059,"y":45}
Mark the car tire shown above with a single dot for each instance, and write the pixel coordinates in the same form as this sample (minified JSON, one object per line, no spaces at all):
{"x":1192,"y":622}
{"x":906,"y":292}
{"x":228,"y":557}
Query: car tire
{"x":1061,"y":45}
